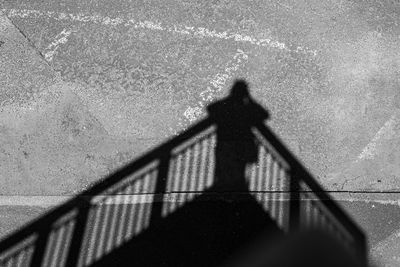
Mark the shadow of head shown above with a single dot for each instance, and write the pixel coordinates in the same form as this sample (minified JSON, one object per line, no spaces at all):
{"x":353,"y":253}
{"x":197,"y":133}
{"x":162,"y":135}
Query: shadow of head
{"x":240,"y":90}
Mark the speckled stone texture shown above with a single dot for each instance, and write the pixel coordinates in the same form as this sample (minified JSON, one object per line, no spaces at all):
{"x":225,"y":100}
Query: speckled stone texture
{"x":109,"y":79}
{"x":51,"y":144}
{"x":327,"y":72}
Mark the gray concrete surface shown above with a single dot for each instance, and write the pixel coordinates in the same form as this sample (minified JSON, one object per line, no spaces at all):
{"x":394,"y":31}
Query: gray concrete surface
{"x":329,"y":79}
{"x":113,"y":78}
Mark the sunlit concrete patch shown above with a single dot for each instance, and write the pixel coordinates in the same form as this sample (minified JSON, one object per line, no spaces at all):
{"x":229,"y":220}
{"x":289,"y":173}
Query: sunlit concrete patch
{"x":123,"y":119}
{"x":325,"y":34}
{"x":376,"y":168}
{"x":361,"y":106}
{"x":12,"y":217}
{"x":56,"y":146}
{"x":379,"y":221}
{"x":40,"y":201}
{"x":360,"y":71}
{"x":51,"y":143}
{"x":386,"y":253}
{"x":386,"y":198}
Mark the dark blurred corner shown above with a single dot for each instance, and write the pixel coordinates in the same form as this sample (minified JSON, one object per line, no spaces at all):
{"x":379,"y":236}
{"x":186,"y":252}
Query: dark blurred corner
{"x":308,"y":248}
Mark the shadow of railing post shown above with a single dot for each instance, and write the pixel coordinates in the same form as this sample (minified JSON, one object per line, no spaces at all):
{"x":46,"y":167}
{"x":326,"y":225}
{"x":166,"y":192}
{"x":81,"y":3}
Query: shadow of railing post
{"x":40,"y":247}
{"x":302,"y":183}
{"x":294,"y":204}
{"x":160,"y":188}
{"x":78,"y":233}
{"x":362,"y":250}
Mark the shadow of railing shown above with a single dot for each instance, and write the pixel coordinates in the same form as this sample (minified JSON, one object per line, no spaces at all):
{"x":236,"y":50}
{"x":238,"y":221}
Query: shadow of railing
{"x":231,"y":155}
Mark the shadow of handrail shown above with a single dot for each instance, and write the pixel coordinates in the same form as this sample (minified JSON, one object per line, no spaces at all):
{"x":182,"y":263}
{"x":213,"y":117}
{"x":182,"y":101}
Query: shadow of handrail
{"x":191,"y":161}
{"x":86,"y":196}
{"x":301,"y":174}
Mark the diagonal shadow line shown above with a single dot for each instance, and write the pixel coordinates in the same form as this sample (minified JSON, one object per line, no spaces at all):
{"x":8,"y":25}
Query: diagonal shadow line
{"x":30,"y":42}
{"x":98,"y":188}
{"x":235,"y":148}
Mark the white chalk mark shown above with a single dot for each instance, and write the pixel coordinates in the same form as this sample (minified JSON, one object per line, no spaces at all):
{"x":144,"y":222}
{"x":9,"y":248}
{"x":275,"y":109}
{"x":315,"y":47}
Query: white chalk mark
{"x":385,"y":132}
{"x":199,"y":32}
{"x":192,"y":113}
{"x":59,"y":39}
{"x":41,"y":37}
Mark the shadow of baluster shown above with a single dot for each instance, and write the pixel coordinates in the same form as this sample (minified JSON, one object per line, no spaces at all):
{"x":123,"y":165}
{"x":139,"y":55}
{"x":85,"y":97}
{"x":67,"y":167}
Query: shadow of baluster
{"x":294,"y":202}
{"x":79,"y":231}
{"x":160,"y":189}
{"x":40,"y":247}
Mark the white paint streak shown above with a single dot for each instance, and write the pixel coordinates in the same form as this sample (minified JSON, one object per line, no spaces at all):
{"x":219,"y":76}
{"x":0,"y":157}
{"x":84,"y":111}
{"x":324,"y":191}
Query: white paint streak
{"x":216,"y":85}
{"x":385,"y":132}
{"x":60,"y":38}
{"x":200,"y":32}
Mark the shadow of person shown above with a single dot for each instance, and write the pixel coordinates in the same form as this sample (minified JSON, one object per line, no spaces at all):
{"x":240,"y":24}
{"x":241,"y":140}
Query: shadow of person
{"x":225,"y":225}
{"x":236,"y":145}
{"x":225,"y":217}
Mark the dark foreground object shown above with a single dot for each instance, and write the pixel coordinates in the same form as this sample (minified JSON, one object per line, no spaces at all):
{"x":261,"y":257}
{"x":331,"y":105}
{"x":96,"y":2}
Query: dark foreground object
{"x":202,"y":233}
{"x":309,"y":249}
{"x":227,"y":232}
